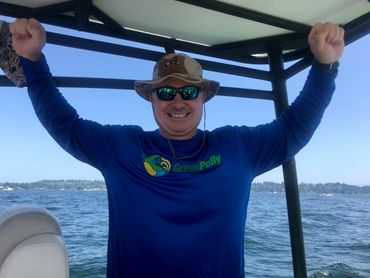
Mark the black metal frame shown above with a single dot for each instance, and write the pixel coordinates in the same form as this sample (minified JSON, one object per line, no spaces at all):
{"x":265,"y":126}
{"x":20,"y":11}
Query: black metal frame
{"x":75,"y":14}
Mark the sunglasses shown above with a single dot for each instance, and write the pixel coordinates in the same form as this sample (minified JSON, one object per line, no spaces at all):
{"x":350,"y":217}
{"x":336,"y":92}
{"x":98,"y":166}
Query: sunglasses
{"x":168,"y":93}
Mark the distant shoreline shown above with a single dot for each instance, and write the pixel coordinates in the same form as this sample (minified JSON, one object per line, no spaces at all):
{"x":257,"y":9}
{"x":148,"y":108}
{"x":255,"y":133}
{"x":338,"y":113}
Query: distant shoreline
{"x":322,"y":188}
{"x":273,"y":187}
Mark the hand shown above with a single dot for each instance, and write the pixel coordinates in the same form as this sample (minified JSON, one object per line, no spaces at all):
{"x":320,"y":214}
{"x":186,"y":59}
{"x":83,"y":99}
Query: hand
{"x":326,"y":42}
{"x":28,"y":38}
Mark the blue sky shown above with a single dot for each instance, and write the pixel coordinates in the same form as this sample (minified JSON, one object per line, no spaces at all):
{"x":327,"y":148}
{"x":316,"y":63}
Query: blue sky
{"x":338,"y":152}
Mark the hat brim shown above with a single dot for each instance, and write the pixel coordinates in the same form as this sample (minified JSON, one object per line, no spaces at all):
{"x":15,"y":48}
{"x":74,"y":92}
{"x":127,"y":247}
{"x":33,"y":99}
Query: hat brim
{"x":145,"y":87}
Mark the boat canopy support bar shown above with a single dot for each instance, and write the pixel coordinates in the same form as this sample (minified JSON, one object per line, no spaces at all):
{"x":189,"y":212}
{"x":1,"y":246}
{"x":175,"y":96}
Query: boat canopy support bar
{"x":289,"y":169}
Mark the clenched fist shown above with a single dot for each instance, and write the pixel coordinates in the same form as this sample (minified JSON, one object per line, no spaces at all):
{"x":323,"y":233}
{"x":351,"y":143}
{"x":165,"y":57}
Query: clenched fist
{"x":326,"y":42}
{"x":28,"y":38}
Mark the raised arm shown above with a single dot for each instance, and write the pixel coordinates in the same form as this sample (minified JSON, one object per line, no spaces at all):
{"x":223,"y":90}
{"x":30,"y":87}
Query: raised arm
{"x":88,"y":141}
{"x":283,"y":138}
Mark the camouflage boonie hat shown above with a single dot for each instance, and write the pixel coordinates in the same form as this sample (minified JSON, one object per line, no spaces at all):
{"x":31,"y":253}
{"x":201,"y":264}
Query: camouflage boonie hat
{"x":179,"y":66}
{"x":9,"y":60}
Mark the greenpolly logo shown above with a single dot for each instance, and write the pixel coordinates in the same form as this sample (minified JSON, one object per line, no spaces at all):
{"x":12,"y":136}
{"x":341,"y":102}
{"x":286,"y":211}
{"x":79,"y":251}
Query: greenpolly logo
{"x":213,"y":161}
{"x":158,"y":166}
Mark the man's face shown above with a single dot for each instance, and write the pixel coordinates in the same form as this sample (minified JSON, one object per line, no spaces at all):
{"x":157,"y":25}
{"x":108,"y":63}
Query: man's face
{"x":177,"y":119}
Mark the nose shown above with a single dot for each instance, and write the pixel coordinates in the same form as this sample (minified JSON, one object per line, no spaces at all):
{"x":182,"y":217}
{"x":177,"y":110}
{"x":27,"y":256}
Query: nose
{"x":178,"y":97}
{"x":178,"y":101}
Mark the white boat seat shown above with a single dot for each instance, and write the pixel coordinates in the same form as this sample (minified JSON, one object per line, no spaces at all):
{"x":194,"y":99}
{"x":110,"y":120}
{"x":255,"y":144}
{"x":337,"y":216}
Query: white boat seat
{"x":31,"y":244}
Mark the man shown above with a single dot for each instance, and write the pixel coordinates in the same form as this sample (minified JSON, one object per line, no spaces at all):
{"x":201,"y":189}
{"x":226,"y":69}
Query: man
{"x":178,"y":196}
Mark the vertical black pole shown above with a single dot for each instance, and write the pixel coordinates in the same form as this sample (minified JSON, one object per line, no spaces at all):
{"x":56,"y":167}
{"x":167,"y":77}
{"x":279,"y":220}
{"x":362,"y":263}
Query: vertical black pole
{"x":289,"y":168}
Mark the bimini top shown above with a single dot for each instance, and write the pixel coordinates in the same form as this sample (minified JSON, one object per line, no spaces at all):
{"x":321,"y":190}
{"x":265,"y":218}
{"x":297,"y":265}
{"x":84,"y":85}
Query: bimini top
{"x":239,"y":30}
{"x":244,"y":31}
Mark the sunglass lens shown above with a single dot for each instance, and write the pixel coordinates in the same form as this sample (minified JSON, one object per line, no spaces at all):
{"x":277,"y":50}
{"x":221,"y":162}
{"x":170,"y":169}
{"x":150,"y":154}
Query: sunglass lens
{"x":189,"y":92}
{"x":165,"y":93}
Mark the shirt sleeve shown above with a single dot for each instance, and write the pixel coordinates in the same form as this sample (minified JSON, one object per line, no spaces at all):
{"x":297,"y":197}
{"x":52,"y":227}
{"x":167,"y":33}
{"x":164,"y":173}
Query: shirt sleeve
{"x":272,"y":144}
{"x":86,"y":140}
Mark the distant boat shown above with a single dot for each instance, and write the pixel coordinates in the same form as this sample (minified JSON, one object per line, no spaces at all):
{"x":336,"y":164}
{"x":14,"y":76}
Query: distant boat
{"x":327,"y":194}
{"x":6,"y":188}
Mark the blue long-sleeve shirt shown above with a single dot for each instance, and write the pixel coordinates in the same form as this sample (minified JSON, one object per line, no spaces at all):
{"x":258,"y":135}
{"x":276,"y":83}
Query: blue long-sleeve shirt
{"x":170,"y":217}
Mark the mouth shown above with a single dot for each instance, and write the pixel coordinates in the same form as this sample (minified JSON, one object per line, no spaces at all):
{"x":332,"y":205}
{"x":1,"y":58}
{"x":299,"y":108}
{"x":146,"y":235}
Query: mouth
{"x":178,"y":115}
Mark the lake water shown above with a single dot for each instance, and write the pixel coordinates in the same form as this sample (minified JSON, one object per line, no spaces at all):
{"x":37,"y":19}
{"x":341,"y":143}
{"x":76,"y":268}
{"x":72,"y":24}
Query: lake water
{"x":336,"y":229}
